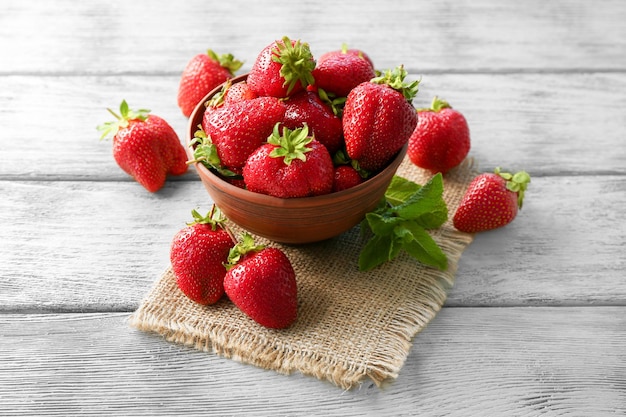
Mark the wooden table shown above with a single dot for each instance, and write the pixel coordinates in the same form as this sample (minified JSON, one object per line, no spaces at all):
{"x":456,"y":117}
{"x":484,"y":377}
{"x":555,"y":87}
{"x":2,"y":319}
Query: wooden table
{"x":536,"y":322}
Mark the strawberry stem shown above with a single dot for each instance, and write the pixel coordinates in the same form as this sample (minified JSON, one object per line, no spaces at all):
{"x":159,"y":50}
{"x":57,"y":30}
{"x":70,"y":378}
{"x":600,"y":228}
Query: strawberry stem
{"x":516,"y":183}
{"x":245,"y":246}
{"x":227,"y":61}
{"x":122,"y":119}
{"x":214,"y":218}
{"x":395,"y":79}
{"x":297,"y":62}
{"x":291,"y":144}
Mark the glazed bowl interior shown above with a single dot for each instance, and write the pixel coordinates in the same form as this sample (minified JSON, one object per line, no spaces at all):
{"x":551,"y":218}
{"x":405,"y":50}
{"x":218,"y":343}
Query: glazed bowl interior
{"x":291,"y":220}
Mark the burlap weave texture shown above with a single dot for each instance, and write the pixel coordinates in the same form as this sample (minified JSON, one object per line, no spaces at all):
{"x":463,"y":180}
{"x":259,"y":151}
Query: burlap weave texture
{"x":351,"y":325}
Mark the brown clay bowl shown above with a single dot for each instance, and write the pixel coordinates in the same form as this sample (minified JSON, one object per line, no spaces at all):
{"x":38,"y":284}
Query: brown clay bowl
{"x":292,"y":220}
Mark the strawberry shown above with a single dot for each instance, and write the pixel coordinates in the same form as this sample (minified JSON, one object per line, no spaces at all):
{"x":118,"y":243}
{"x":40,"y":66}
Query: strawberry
{"x":237,"y":129}
{"x":441,"y":139}
{"x":378,"y":119}
{"x":282,"y":68}
{"x":198,"y":254}
{"x":346,"y":177}
{"x":145,"y":146}
{"x":291,"y":164}
{"x":491,"y":201}
{"x":338,"y":72}
{"x":261,"y":282}
{"x":238,"y":92}
{"x":307,"y":107}
{"x":203,"y":73}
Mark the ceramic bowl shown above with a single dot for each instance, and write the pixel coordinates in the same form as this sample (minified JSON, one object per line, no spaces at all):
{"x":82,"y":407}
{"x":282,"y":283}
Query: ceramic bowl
{"x":291,"y":220}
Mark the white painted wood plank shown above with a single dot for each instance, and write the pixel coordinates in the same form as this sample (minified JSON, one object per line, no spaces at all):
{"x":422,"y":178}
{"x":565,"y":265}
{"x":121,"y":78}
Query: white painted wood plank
{"x":117,"y":36}
{"x":89,"y":246}
{"x":544,"y":123}
{"x":467,"y":362}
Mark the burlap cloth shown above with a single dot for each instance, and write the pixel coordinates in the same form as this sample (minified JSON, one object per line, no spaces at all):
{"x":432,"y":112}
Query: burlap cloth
{"x":351,"y":325}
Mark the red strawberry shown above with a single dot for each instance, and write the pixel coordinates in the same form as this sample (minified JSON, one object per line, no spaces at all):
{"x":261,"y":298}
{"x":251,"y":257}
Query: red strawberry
{"x":290,"y":165}
{"x":262,"y":283}
{"x":338,"y":72}
{"x":239,"y":128}
{"x":346,"y":177}
{"x":491,"y":201}
{"x":282,"y":68}
{"x":238,"y":92}
{"x":198,"y":254}
{"x":203,"y":73}
{"x":378,"y":119}
{"x":441,"y":139}
{"x":307,"y":107}
{"x":145,"y":146}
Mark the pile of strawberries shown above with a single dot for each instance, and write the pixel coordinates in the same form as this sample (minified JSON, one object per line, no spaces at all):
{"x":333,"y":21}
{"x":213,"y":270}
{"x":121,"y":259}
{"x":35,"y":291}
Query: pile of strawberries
{"x":295,"y":127}
{"x":300,"y":127}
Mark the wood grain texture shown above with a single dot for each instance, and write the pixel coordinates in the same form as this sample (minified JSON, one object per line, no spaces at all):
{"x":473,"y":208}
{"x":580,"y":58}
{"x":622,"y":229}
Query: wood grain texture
{"x":99,"y":246}
{"x":467,"y":362}
{"x":486,"y":36}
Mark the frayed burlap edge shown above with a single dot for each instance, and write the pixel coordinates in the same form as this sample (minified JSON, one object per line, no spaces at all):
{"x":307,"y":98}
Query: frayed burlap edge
{"x":224,"y":330}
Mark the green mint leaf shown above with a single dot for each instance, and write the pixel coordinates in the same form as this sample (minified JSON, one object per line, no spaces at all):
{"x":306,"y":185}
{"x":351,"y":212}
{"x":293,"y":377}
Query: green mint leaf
{"x":427,"y":199}
{"x":424,"y":248}
{"x":402,"y":221}
{"x":382,"y":225}
{"x":375,"y":252}
{"x":400,"y":189}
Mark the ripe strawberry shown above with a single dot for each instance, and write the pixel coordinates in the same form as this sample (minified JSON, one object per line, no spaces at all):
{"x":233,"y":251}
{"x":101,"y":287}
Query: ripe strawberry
{"x":203,"y":73}
{"x":290,"y":165}
{"x":262,"y":283}
{"x":238,"y":92}
{"x":307,"y":107}
{"x":237,"y":129}
{"x":338,"y":72}
{"x":378,"y":119}
{"x":282,"y":68}
{"x":346,"y":177}
{"x":198,"y":254}
{"x":145,"y":146}
{"x":441,"y":139}
{"x":491,"y":201}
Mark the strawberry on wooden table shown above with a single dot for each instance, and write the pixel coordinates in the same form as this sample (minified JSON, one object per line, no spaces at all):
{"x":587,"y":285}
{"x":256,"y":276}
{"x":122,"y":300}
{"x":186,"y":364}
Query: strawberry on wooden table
{"x":491,"y":201}
{"x":291,"y":164}
{"x":379,"y":118}
{"x":441,"y":139}
{"x":198,"y":254}
{"x":282,"y":68}
{"x":145,"y":146}
{"x":261,"y":282}
{"x":203,"y":73}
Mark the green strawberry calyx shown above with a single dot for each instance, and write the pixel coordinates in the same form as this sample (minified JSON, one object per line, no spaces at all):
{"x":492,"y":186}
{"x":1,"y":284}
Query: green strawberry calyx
{"x":516,"y":183}
{"x":205,"y":152}
{"x":290,"y":144}
{"x":214,"y":218}
{"x":297,"y":62}
{"x":246,"y":245}
{"x":218,"y":99}
{"x":395,"y":79}
{"x":227,"y":61}
{"x":436,"y":105}
{"x":122,"y":119}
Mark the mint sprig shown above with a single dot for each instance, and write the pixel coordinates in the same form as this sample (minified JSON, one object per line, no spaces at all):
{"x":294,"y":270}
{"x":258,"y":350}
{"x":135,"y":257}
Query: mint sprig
{"x":402,"y":222}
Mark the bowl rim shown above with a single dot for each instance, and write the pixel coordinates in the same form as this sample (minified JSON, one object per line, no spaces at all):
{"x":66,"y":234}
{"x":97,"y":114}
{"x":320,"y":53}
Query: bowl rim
{"x":265,"y":199}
